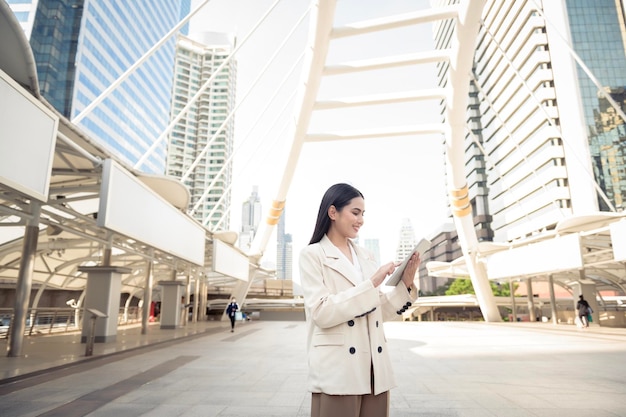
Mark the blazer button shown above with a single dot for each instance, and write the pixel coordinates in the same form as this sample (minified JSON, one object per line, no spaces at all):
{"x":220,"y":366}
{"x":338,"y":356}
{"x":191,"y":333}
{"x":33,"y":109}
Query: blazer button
{"x":408,"y":304}
{"x":352,"y":351}
{"x":380,"y":349}
{"x":399,"y":312}
{"x":351,"y":323}
{"x":376,"y":323}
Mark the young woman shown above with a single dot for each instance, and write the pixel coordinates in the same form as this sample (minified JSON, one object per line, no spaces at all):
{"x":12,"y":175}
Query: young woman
{"x":350,"y":371}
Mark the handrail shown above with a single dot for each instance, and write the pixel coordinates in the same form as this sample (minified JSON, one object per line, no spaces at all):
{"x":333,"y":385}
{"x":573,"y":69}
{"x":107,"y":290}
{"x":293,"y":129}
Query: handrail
{"x":51,"y":320}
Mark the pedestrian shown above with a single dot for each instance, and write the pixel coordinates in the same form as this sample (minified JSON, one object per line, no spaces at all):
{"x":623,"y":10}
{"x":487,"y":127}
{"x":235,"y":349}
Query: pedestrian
{"x":583,"y":310}
{"x":231,"y":310}
{"x":349,"y":366}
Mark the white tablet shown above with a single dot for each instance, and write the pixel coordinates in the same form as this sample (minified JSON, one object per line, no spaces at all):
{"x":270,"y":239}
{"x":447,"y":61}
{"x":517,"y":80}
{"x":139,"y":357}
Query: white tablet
{"x":421,"y":247}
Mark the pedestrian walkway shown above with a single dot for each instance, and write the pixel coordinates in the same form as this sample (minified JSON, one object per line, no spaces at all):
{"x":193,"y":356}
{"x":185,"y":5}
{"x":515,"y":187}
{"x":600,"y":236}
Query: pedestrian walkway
{"x":443,"y":369}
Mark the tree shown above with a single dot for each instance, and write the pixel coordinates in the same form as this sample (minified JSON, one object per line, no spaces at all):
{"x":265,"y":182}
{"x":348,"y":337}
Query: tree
{"x":461,"y":286}
{"x":464,"y":286}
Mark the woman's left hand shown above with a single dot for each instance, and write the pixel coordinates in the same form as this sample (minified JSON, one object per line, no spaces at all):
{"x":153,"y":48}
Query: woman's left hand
{"x":408,"y":276}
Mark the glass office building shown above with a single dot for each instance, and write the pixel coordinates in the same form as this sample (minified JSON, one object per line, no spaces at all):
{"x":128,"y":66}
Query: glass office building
{"x":81,"y":47}
{"x":599,"y":38}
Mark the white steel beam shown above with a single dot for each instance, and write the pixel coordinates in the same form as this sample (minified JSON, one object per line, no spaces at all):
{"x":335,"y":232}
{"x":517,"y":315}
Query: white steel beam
{"x":376,"y":99}
{"x":322,"y":18}
{"x":417,"y":58}
{"x":397,"y":21}
{"x":464,"y":45}
{"x":377,"y":133}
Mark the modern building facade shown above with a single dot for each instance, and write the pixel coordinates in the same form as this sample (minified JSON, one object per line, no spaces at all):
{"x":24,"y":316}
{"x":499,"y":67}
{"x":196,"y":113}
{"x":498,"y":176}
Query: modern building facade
{"x":599,"y":38}
{"x":251,"y":213}
{"x":284,"y":251}
{"x":201,"y":143}
{"x":81,"y":47}
{"x":406,"y":240}
{"x":541,"y":136}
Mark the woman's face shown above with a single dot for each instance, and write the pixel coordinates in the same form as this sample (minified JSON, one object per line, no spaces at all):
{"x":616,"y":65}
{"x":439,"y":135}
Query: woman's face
{"x":349,"y":220}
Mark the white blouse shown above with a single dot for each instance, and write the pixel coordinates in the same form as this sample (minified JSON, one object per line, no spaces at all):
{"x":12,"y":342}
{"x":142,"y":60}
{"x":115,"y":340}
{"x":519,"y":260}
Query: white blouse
{"x":355,"y":263}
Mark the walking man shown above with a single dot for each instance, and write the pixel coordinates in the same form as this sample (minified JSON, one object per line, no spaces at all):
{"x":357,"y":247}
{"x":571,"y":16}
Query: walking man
{"x":232,"y":308}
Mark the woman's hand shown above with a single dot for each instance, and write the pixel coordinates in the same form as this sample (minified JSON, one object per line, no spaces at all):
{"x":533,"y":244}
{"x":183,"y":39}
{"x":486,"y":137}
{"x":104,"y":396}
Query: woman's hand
{"x":411,"y":269}
{"x":380,"y":275}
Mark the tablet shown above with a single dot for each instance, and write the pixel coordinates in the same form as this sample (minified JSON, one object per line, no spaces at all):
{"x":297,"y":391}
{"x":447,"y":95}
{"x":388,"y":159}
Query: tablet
{"x":421,"y":247}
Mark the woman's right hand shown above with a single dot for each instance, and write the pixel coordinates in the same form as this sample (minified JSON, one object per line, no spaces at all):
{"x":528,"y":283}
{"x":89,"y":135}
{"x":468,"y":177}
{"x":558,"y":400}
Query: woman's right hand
{"x":380,"y":275}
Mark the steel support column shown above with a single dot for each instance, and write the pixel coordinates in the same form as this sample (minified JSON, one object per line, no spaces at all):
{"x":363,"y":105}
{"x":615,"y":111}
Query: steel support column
{"x":147,"y":297}
{"x":461,"y":61}
{"x":24,"y":283}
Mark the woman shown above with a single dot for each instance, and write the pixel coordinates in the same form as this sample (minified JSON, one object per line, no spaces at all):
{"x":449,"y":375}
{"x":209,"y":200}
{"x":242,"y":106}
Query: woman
{"x":350,"y":371}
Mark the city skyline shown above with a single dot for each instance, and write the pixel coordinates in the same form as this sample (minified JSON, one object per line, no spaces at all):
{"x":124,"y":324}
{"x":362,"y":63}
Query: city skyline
{"x":607,"y":165}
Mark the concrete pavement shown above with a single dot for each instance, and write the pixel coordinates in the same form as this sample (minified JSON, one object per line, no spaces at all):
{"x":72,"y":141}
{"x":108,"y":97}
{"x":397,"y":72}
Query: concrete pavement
{"x":442,"y":368}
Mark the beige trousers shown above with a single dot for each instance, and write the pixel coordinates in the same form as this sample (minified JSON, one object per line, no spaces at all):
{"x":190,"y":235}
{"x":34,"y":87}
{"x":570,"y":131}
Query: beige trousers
{"x":369,"y":405}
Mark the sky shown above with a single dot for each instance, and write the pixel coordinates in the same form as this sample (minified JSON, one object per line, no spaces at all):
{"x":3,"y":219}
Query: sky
{"x":401,"y":177}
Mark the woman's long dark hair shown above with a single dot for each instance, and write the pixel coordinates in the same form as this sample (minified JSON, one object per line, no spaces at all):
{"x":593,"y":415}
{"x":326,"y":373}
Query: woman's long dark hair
{"x":339,"y":195}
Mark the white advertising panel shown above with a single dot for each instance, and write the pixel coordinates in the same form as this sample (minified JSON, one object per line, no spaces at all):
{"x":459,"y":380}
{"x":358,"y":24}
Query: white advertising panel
{"x":28,"y":133}
{"x":558,"y":254}
{"x":129,"y":207}
{"x":229,"y":261}
{"x":618,"y":240}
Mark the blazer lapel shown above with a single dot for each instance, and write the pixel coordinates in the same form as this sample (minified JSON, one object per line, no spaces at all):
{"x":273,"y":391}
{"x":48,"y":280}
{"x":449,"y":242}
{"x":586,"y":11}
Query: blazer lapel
{"x":337,"y":261}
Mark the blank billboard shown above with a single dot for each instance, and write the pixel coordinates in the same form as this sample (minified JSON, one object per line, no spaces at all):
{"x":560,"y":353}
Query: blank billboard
{"x":129,"y":207}
{"x":229,"y":261}
{"x":558,"y":254}
{"x":28,"y":136}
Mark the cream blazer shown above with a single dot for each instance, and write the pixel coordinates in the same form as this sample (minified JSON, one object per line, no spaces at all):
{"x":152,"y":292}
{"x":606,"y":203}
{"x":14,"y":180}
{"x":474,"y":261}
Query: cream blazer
{"x":345,"y":335}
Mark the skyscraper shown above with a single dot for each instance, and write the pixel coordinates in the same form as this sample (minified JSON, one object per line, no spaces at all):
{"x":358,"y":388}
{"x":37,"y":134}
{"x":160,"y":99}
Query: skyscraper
{"x":528,"y":106}
{"x":373,"y":245}
{"x":599,"y":37}
{"x":284,"y":251}
{"x":406,"y":240}
{"x":201,"y":143}
{"x":81,"y":47}
{"x":250,"y":219}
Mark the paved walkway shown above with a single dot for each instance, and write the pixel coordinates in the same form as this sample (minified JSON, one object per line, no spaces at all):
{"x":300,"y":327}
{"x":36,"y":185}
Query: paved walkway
{"x":443,"y":369}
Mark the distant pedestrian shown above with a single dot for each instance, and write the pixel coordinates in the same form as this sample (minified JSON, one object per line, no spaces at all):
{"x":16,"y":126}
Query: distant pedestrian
{"x":231,"y":310}
{"x":583,"y":310}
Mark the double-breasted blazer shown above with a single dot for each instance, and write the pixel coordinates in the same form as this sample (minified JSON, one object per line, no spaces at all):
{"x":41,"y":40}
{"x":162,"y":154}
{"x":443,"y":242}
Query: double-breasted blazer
{"x":345,"y":336}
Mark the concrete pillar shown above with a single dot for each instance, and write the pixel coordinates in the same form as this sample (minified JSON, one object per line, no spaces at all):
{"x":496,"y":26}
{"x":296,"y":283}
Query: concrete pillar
{"x":554,"y":307}
{"x":171,"y":294}
{"x":24,"y":284}
{"x":147,"y":298}
{"x":531,"y":300}
{"x":513,"y":305}
{"x":102,"y":293}
{"x":203,"y":301}
{"x":196,"y":300}
{"x":185,"y":313}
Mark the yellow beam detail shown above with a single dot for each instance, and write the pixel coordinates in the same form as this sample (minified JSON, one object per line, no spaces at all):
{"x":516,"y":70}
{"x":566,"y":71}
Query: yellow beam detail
{"x":275,"y":212}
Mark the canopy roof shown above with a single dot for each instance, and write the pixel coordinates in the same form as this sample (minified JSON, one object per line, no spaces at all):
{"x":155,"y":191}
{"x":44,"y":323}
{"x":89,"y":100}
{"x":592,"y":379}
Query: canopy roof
{"x":69,"y":235}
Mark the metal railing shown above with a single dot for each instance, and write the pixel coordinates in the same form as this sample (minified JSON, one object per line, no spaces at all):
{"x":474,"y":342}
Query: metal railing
{"x":49,"y":320}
